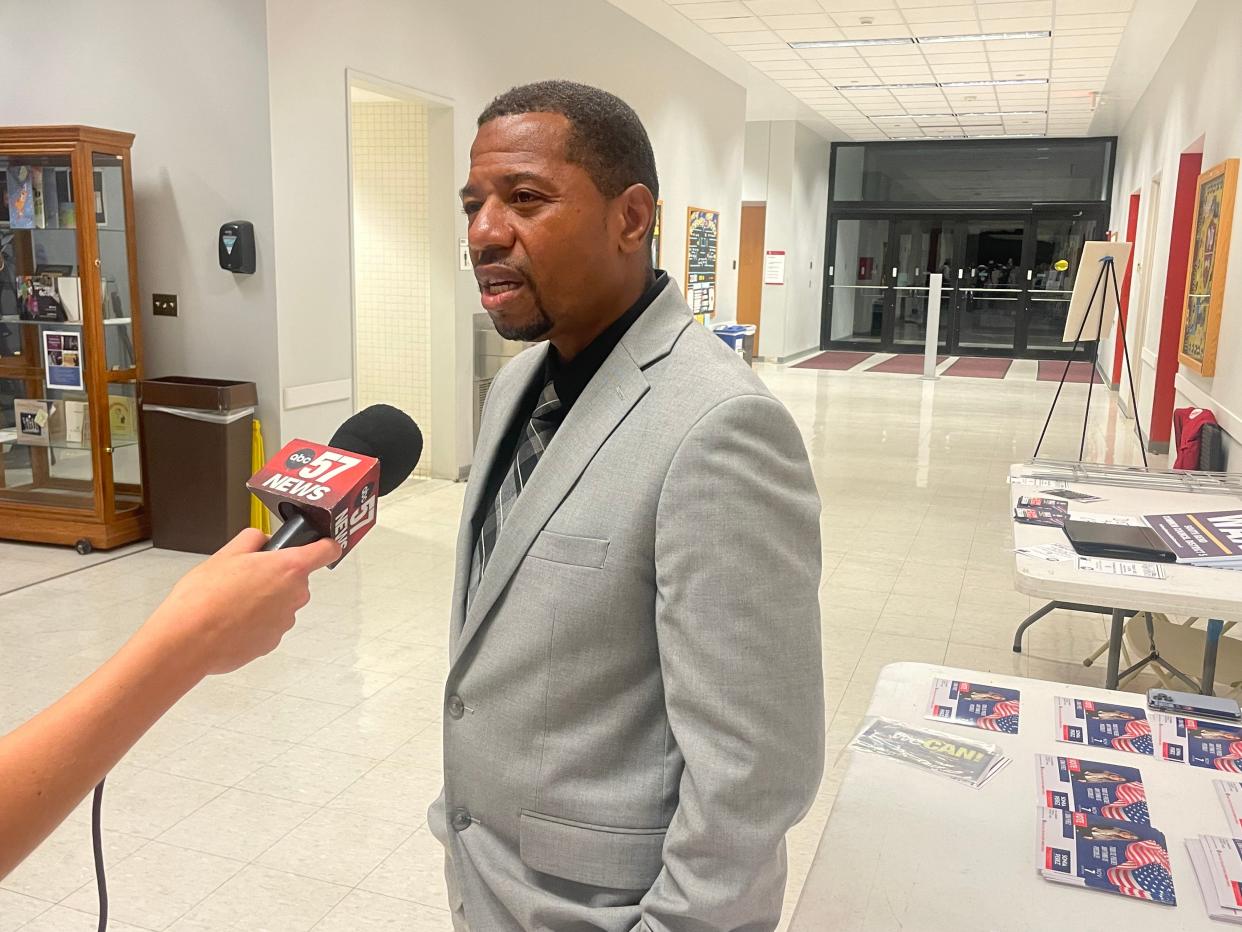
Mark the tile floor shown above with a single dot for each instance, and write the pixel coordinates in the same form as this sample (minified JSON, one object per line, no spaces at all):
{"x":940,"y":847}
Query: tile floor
{"x":290,"y":795}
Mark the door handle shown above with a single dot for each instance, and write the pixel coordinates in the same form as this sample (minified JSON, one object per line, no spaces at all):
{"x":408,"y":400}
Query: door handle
{"x":1030,"y":274}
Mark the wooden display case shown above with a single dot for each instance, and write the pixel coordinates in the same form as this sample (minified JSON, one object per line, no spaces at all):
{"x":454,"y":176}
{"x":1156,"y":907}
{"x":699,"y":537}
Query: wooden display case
{"x":70,"y":341}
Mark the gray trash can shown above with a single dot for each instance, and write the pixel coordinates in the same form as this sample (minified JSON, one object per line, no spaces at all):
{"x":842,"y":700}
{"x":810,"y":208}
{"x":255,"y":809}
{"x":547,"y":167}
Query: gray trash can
{"x":197,"y":437}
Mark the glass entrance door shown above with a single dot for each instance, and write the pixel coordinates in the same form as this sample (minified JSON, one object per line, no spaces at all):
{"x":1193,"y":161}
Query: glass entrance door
{"x":858,"y":287}
{"x":1007,"y":280}
{"x":921,"y":246}
{"x":990,"y":290}
{"x":1058,"y":249}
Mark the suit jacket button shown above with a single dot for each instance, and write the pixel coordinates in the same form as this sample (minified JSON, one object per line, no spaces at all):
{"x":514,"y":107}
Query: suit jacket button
{"x":456,"y":708}
{"x":461,"y":820}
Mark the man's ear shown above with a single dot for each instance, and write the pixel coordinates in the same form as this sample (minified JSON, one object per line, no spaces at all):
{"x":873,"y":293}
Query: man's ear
{"x":636,"y":209}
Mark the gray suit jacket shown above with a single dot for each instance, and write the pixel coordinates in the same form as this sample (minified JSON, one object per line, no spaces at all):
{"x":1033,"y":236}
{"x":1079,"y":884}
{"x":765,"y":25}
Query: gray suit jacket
{"x":634,"y":706}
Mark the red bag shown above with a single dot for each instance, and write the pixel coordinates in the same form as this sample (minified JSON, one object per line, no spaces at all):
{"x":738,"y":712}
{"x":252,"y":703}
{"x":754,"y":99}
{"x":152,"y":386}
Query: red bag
{"x":1187,"y":425}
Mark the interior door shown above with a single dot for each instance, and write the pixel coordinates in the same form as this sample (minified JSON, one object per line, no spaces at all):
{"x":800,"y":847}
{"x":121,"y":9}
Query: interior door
{"x":991,"y":289}
{"x":750,"y":266}
{"x":860,"y":305}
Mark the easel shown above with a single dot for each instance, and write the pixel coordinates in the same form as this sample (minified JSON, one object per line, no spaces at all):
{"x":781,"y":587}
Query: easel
{"x":1107,"y":271}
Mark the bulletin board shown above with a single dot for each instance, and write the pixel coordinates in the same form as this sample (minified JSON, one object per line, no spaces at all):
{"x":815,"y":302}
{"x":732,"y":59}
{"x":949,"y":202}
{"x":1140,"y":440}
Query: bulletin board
{"x":702,"y":239}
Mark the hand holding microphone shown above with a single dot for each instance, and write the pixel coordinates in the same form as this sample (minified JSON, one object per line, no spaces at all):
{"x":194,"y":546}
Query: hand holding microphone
{"x":231,"y":609}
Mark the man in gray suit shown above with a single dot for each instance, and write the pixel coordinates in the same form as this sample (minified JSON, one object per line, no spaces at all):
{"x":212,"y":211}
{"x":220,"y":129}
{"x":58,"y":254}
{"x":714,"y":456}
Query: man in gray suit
{"x":634,"y":706}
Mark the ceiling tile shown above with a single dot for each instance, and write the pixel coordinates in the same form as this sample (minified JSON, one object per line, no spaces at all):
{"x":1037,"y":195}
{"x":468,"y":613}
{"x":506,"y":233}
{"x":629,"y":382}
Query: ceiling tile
{"x":750,"y":37}
{"x":810,"y":35}
{"x":782,"y":7}
{"x":863,"y":6}
{"x":953,"y":27}
{"x":830,"y":54}
{"x":1007,"y":24}
{"x":783,"y":53}
{"x":942,"y":13}
{"x":731,"y":24}
{"x":1016,"y":8}
{"x":714,"y":10}
{"x":1094,"y":6}
{"x":743,"y":47}
{"x":954,"y":57}
{"x":1092,"y":20}
{"x":800,"y":21}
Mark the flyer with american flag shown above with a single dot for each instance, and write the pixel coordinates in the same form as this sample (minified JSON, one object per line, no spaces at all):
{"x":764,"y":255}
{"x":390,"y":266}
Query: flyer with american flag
{"x":1199,"y":743}
{"x":1118,"y":857}
{"x":1103,"y":725}
{"x":977,"y":705}
{"x":1108,"y":790}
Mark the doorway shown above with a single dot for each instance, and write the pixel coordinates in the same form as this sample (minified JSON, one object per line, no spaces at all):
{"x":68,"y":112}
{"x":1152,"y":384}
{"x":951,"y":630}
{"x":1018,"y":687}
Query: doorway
{"x":750,"y":266}
{"x":402,"y":259}
{"x":1008,"y":278}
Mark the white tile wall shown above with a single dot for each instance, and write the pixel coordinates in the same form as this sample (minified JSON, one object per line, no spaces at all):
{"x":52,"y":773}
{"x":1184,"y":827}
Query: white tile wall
{"x":392,"y":271}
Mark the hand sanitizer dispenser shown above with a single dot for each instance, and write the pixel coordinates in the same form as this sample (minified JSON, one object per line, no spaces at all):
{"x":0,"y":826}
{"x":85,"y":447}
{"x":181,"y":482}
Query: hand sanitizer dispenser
{"x":237,"y":247}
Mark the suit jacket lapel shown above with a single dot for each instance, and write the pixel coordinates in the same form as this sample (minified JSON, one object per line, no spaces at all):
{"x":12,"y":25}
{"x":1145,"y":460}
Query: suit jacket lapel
{"x":611,"y":394}
{"x":502,"y":410}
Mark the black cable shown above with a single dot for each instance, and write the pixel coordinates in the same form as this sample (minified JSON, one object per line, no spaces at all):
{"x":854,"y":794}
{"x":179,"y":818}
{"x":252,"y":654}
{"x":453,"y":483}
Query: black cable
{"x":97,"y":839}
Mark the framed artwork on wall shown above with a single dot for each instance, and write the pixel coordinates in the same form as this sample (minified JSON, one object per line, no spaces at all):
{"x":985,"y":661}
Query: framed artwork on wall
{"x":1209,"y":261}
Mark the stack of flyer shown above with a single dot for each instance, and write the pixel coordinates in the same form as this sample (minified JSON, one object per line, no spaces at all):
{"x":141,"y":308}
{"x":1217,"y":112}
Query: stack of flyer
{"x":1218,"y":866}
{"x":1048,"y":512}
{"x":968,"y":762}
{"x":976,"y":705}
{"x":1103,"y":725}
{"x":1094,"y":830}
{"x":1217,"y":859}
{"x":1200,"y":743}
{"x":1205,"y":538}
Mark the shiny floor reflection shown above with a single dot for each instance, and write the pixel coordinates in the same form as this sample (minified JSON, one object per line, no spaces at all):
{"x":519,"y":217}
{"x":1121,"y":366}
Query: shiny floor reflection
{"x":291,"y":795}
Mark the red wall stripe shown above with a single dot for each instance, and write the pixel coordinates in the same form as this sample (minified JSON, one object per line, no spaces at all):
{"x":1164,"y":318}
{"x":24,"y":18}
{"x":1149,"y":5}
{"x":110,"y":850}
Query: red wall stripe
{"x":1188,"y":169}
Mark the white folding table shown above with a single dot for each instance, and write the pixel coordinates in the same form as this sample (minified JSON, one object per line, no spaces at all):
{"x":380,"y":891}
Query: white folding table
{"x":911,"y":850}
{"x":1214,"y":594}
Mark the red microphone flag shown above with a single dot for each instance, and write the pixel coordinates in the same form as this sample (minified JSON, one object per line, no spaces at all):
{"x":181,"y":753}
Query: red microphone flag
{"x":335,"y":490}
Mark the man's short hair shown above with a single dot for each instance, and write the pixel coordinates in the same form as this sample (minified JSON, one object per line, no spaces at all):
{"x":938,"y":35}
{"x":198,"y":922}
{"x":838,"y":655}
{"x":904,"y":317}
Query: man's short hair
{"x":606,"y":137}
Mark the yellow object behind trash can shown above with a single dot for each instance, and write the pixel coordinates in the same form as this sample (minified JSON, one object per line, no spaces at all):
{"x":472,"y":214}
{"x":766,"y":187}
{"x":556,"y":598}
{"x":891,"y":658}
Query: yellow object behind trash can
{"x":259,"y":516}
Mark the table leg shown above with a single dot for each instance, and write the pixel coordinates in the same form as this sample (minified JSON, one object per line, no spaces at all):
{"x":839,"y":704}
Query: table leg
{"x":1211,"y":643}
{"x":1114,"y":648}
{"x":1028,"y":621}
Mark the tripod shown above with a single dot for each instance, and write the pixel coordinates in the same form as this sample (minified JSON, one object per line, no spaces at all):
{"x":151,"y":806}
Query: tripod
{"x":1107,"y":272}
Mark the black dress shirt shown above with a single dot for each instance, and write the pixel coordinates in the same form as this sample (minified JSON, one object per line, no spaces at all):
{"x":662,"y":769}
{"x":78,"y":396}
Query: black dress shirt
{"x":571,"y":379}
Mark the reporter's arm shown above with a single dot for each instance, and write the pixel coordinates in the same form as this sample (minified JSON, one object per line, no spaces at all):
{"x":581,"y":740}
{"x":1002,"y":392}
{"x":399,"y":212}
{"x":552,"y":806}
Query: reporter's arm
{"x":231,"y":609}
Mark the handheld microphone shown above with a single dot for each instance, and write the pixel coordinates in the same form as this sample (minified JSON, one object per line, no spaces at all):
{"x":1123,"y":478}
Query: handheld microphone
{"x":331,"y":491}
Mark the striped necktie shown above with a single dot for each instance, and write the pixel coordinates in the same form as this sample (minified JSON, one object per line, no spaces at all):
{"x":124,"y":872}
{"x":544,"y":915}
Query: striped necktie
{"x":539,"y":431}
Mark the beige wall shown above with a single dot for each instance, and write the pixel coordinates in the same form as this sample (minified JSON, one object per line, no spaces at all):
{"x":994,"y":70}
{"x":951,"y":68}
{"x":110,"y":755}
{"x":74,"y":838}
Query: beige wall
{"x":1189,"y":99}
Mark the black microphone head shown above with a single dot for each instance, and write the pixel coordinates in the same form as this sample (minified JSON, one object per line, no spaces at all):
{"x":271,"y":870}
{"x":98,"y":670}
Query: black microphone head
{"x":386,"y":433}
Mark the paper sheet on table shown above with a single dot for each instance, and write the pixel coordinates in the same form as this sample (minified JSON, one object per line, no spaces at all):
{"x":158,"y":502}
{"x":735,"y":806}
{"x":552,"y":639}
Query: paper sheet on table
{"x":1122,"y":568}
{"x":1097,"y":518}
{"x":1053,"y":553}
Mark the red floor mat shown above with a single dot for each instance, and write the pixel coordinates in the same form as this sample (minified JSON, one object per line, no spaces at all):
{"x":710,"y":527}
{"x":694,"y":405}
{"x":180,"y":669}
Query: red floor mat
{"x":980,"y":367}
{"x":1050,"y":371}
{"x":908,"y":363}
{"x":834,"y":360}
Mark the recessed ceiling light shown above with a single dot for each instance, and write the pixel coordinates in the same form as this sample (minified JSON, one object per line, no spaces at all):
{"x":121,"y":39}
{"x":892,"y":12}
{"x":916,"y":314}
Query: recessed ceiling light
{"x":884,"y":87}
{"x":986,"y":37}
{"x":989,"y":113}
{"x":906,"y":40}
{"x":1004,"y":82}
{"x":846,"y":43}
{"x":930,"y":84}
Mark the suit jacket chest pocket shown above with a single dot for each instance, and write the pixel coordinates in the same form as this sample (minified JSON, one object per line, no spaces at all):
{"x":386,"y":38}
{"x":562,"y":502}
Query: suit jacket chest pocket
{"x":569,"y":550}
